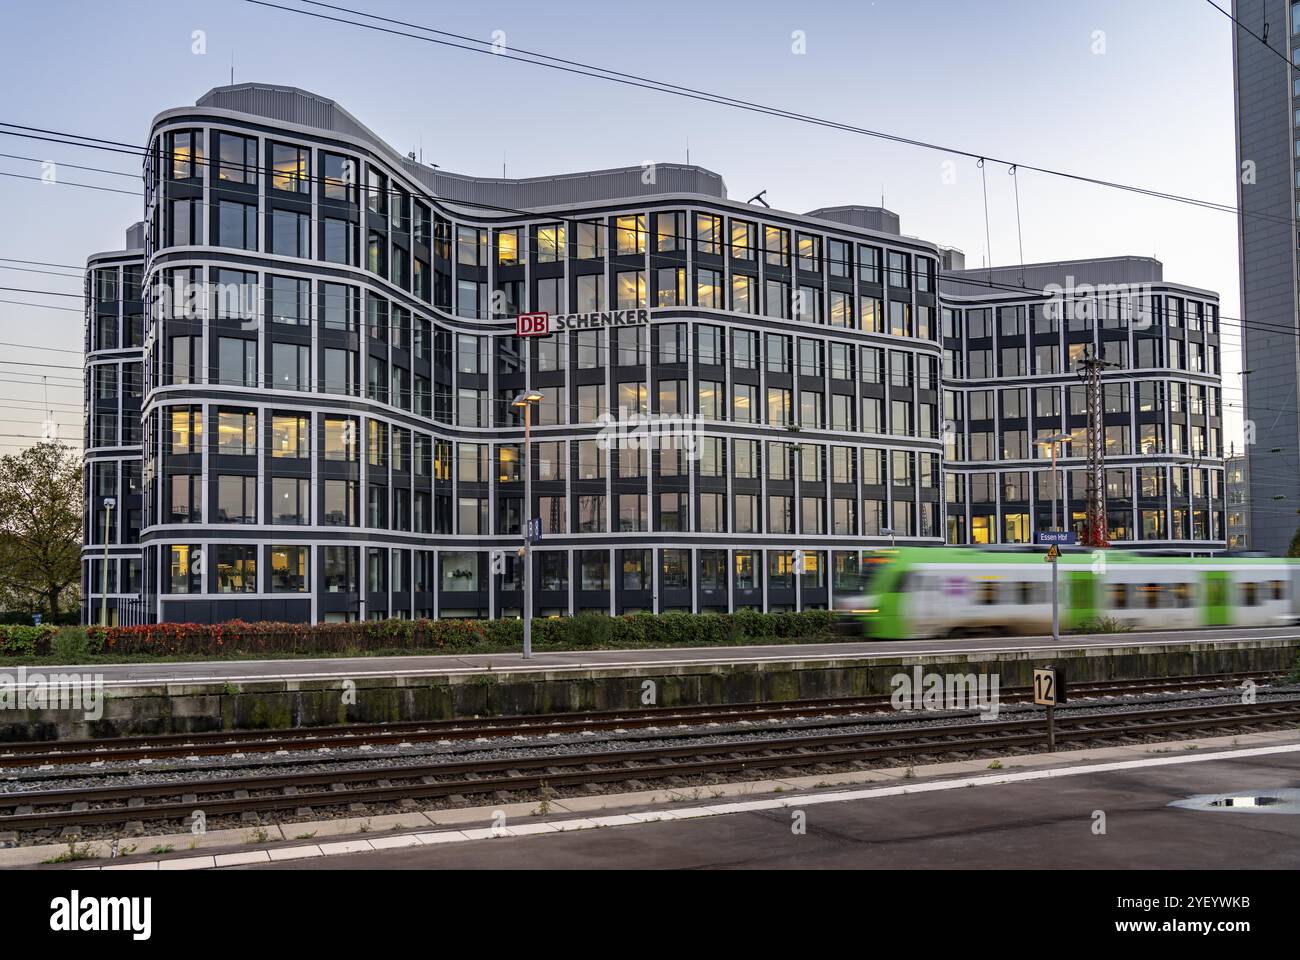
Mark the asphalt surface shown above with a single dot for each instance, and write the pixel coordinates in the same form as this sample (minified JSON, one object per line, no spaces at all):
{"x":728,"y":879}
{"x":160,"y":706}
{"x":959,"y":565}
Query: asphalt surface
{"x":1032,"y":825}
{"x":129,"y":674}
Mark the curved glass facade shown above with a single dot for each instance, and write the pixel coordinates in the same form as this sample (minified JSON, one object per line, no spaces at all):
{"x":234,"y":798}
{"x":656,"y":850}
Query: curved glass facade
{"x":739,"y":403}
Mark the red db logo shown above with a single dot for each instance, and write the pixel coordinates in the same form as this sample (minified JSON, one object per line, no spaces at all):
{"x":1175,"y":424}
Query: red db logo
{"x":533,"y":324}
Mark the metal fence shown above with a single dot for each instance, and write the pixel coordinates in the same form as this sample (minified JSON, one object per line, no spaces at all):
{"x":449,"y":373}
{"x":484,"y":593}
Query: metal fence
{"x":122,"y":611}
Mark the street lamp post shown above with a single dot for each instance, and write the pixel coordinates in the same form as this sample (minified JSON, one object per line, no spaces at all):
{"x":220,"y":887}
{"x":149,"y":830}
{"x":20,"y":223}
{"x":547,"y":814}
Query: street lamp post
{"x":526,"y":400}
{"x":1055,"y":442}
{"x":109,"y":504}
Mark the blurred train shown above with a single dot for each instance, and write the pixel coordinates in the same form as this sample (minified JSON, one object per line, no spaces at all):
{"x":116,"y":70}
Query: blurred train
{"x":921,"y":592}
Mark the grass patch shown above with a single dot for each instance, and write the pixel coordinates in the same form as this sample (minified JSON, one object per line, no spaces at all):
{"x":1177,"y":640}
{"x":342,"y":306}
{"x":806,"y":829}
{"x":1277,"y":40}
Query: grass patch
{"x":1103,"y":625}
{"x":76,"y":851}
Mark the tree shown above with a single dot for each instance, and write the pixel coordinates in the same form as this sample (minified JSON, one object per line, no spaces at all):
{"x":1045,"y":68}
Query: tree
{"x":1294,"y":549}
{"x":40,"y":525}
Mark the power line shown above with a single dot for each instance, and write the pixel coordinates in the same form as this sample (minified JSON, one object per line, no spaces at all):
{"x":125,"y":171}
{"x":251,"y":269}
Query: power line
{"x":36,"y":383}
{"x":51,"y":366}
{"x":70,"y":183}
{"x":1247,"y":29}
{"x":44,"y":293}
{"x":659,"y":86}
{"x":74,"y":166}
{"x":966,"y":280}
{"x":50,"y":273}
{"x":308,"y":178}
{"x":29,"y":346}
{"x":573,"y":220}
{"x":34,"y":404}
{"x":43,"y":306}
{"x":41,"y":263}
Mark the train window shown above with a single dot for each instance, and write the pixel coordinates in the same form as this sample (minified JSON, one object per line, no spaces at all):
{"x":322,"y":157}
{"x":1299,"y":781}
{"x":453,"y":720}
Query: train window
{"x":1151,"y":592}
{"x":1279,"y":589}
{"x":1119,"y":596}
{"x":1026,"y":593}
{"x":988,"y":594}
{"x":1182,"y":594}
{"x":1249,"y":594}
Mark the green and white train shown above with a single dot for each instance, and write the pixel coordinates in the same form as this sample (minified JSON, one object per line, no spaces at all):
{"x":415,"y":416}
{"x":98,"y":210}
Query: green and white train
{"x":916,"y":593}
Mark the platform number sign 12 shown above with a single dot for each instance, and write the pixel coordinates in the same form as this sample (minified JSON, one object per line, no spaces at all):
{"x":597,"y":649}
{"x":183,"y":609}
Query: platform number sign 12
{"x":1049,"y":686}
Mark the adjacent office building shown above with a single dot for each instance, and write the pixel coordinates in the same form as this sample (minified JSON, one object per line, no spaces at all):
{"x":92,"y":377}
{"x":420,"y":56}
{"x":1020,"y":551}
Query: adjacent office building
{"x":1237,"y":489}
{"x":1013,"y":338}
{"x":114,"y":450}
{"x":734,"y":404}
{"x":1267,"y":100}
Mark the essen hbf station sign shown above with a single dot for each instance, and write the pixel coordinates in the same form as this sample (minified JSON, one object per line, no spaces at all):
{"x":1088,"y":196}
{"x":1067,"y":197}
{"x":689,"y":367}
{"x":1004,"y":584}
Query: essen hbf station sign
{"x":543,"y":324}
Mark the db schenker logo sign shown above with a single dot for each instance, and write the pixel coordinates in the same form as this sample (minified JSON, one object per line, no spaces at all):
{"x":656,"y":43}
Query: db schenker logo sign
{"x":533,"y":324}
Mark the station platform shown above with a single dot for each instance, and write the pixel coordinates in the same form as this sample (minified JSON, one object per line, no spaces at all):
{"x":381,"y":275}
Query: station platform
{"x":191,"y":697}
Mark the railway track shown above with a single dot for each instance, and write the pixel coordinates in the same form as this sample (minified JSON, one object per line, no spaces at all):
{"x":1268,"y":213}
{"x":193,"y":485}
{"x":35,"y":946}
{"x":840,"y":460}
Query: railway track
{"x":271,"y":793}
{"x":217,"y":743}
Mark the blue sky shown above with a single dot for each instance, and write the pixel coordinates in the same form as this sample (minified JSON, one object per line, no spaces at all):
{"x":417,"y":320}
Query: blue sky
{"x":1017,"y":79}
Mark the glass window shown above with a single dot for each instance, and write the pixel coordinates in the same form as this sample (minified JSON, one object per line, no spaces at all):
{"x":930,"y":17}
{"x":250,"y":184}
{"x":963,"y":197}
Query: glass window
{"x":289,"y":436}
{"x":290,"y":500}
{"x":236,"y":568}
{"x":289,"y":569}
{"x":237,"y":224}
{"x":670,"y":287}
{"x":291,"y":366}
{"x":237,"y":432}
{"x":591,"y":293}
{"x":810,"y":252}
{"x":708,"y":288}
{"x":340,"y":438}
{"x":630,"y":287}
{"x":590,"y":240}
{"x":744,"y":240}
{"x":744,"y":293}
{"x":186,"y":149}
{"x":630,"y":235}
{"x":670,"y":232}
{"x":509,"y":247}
{"x":236,"y":158}
{"x":708,"y":234}
{"x":290,"y":168}
{"x":551,"y":244}
{"x":339,"y":177}
{"x":236,"y":362}
{"x":776,"y":246}
{"x":869,"y":264}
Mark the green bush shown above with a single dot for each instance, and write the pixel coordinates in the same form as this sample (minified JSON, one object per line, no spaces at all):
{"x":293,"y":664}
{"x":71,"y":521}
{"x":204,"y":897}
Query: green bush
{"x":588,"y":630}
{"x":25,"y":639}
{"x":71,"y":645}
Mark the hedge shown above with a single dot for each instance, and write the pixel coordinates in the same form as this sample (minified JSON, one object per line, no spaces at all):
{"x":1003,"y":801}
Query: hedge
{"x":585,"y":631}
{"x":25,"y":639}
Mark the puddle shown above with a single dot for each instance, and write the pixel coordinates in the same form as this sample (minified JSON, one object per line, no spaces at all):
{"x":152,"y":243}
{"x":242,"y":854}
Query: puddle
{"x":1281,"y":800}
